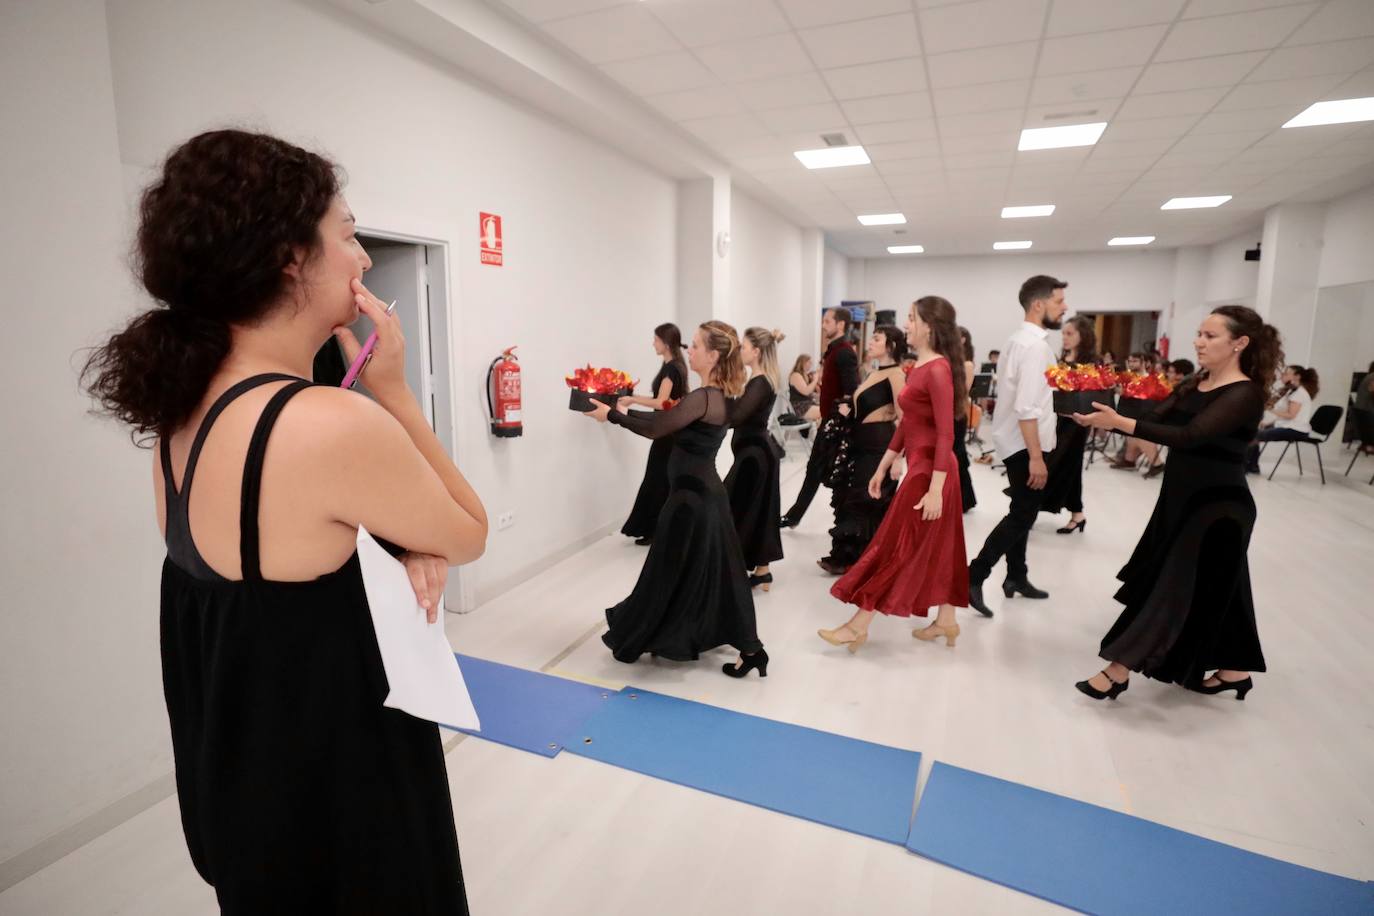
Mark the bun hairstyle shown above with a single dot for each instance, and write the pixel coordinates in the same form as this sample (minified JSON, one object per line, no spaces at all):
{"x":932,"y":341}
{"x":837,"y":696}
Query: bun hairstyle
{"x":894,"y":340}
{"x":672,"y":339}
{"x":722,"y":339}
{"x":1307,"y":378}
{"x":766,"y":342}
{"x":939,"y":315}
{"x":1260,"y":361}
{"x":217,"y":229}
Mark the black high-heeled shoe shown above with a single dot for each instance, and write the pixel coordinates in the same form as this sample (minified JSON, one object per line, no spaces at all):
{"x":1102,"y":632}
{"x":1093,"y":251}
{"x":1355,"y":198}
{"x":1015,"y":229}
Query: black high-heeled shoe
{"x":644,"y":541}
{"x":766,"y":580}
{"x":1241,"y":687}
{"x":1072,"y":526}
{"x":1013,"y":587}
{"x":1111,"y":693}
{"x":975,"y":596}
{"x":748,"y":663}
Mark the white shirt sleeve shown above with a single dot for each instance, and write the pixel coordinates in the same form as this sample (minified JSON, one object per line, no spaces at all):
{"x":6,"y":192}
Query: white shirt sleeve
{"x":1030,"y":383}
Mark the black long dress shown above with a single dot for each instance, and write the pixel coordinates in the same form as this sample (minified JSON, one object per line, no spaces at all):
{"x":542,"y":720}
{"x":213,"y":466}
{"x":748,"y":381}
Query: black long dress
{"x":1064,"y":489}
{"x":693,"y":592}
{"x":755,"y":480}
{"x":653,"y":489}
{"x":858,"y":515}
{"x":299,"y":791}
{"x":1186,"y":588}
{"x":961,"y":457}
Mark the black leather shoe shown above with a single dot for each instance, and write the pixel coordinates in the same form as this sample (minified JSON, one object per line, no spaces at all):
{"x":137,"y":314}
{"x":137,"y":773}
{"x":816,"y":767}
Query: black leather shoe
{"x":975,"y":596}
{"x":1116,"y":689}
{"x":643,"y":542}
{"x":747,"y":663}
{"x":1022,"y":587}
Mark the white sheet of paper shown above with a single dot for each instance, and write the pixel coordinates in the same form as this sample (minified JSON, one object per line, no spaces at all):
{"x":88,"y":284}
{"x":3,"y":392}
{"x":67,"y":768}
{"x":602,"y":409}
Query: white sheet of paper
{"x":421,"y":671}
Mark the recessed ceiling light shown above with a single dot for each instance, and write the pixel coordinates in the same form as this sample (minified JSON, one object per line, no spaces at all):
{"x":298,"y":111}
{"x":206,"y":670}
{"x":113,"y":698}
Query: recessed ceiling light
{"x":1340,"y":111}
{"x":883,"y":219}
{"x":1194,"y":203}
{"x":1060,"y":137}
{"x":1019,"y":212}
{"x":1131,"y":240}
{"x":1010,"y":246}
{"x":832,"y":157}
{"x":905,"y":249}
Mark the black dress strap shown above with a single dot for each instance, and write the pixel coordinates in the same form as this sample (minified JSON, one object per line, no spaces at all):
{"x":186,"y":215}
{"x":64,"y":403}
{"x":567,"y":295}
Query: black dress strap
{"x":223,"y":401}
{"x":249,"y":557}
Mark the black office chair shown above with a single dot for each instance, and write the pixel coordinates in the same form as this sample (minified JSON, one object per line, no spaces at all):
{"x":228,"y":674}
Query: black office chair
{"x":1364,"y":435}
{"x":1324,"y":421}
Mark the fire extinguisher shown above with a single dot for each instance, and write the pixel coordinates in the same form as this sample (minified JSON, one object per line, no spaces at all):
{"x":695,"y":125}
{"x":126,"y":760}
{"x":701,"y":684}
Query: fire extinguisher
{"x":503,"y":395}
{"x":1164,"y":346}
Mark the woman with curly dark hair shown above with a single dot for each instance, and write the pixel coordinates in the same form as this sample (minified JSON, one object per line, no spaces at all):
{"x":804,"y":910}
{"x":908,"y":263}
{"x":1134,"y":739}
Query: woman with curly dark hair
{"x":1186,"y":588}
{"x":299,"y":791}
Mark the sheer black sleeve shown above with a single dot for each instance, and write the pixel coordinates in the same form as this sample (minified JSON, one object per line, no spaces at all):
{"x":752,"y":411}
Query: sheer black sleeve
{"x":847,"y":364}
{"x":758,"y":396}
{"x":1237,"y":407}
{"x":660,"y":423}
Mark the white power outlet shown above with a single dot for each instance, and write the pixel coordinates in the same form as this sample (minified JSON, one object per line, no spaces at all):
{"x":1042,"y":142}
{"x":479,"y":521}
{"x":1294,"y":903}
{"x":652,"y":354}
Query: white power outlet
{"x":505,"y":520}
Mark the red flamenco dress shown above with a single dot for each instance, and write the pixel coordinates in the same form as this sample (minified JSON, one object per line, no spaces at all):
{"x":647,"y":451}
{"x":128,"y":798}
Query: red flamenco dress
{"x":913,"y":565}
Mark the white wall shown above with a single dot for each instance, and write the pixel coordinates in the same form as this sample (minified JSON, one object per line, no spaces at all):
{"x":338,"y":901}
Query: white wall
{"x":83,"y":721}
{"x":835,"y":279}
{"x":1348,"y":240}
{"x":1205,"y":277}
{"x":765,"y":273}
{"x":983,"y":289}
{"x":1342,"y":339}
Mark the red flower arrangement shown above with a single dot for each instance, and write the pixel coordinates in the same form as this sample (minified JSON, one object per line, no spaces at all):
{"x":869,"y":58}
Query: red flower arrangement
{"x":600,"y":381}
{"x":1081,"y":377}
{"x":1144,"y":386}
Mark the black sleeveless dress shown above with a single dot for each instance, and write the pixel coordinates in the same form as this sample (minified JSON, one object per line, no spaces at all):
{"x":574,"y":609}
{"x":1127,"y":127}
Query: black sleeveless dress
{"x":299,"y":791}
{"x":693,"y":592}
{"x":754,"y":483}
{"x":653,"y":490}
{"x":1186,"y":588}
{"x":858,"y":515}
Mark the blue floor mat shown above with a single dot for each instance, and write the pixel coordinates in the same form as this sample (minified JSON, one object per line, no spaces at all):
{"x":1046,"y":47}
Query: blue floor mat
{"x":1096,"y":860}
{"x":853,"y":785}
{"x":525,"y":709}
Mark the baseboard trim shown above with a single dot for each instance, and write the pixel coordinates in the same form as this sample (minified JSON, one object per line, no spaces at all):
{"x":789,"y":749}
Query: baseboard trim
{"x":490,"y":592}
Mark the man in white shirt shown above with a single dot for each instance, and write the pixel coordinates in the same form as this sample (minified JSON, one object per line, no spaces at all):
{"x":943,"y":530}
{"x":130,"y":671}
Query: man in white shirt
{"x":1022,"y":435}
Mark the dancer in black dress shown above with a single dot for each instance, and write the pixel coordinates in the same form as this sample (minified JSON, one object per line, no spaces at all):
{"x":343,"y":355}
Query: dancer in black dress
{"x":299,"y":791}
{"x":693,"y":592}
{"x":961,"y":424}
{"x":1186,"y":588}
{"x":754,"y":481}
{"x":873,"y":422}
{"x":1064,"y":490}
{"x":668,"y":386}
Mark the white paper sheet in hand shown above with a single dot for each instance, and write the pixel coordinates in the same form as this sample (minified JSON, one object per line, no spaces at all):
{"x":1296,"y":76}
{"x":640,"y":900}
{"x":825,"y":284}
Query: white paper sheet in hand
{"x":420,"y":668}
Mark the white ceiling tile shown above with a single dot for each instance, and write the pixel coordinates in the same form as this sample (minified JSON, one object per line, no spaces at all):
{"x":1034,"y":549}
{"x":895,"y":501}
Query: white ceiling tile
{"x":1060,"y":113}
{"x":756,"y":58}
{"x":882,"y":78}
{"x":816,"y":119}
{"x":862,"y":42}
{"x":1226,"y":122}
{"x":544,"y":10}
{"x":984,"y":97}
{"x":1199,"y":8}
{"x":1119,"y":164}
{"x":619,"y":33}
{"x":1102,"y":51}
{"x":1298,"y":93}
{"x":1202,"y":73}
{"x":1254,"y":31}
{"x":708,"y":22}
{"x":1149,"y":127}
{"x":1359,"y":86}
{"x":896,"y":131}
{"x":1163,"y":104}
{"x":906,"y":149}
{"x":1143,"y":146}
{"x":1316,"y":60}
{"x":982,"y":23}
{"x":783,"y":91}
{"x":985,"y":156}
{"x":1072,"y":87}
{"x":697,"y":103}
{"x":664,"y":73}
{"x":1073,"y":17}
{"x":727,"y":127}
{"x":1234,"y":142}
{"x":902,"y":107}
{"x":983,"y":65}
{"x":989,"y":122}
{"x":895,"y":168}
{"x":1335,"y":21}
{"x":981,"y":146}
{"x":806,"y":14}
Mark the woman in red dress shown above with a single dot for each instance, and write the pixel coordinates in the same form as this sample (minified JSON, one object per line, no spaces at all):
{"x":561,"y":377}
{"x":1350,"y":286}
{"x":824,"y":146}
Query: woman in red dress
{"x":917,"y":560}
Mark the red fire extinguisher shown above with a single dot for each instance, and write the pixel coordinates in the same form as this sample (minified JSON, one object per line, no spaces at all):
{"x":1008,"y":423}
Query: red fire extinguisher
{"x":503,"y":395}
{"x":1164,"y":346}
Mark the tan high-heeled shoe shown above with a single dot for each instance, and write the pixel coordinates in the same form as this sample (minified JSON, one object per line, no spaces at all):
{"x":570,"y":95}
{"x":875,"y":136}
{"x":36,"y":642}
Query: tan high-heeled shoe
{"x":853,"y":645}
{"x":935,"y":631}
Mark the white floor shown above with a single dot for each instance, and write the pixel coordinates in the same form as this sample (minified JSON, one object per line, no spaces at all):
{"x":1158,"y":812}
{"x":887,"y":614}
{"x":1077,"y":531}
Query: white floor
{"x":1287,"y":773}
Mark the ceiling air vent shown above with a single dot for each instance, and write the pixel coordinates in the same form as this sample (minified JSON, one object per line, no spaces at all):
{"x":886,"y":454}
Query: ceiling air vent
{"x":1075,"y":115}
{"x":834,"y":140}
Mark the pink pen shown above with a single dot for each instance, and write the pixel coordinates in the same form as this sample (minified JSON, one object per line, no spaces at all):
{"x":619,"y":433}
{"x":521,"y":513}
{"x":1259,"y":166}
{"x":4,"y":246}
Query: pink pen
{"x":364,"y":355}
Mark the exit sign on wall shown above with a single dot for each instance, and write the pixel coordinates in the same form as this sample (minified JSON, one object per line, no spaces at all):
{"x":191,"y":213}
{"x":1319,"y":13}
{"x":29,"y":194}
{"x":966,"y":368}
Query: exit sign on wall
{"x":489,"y":226}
